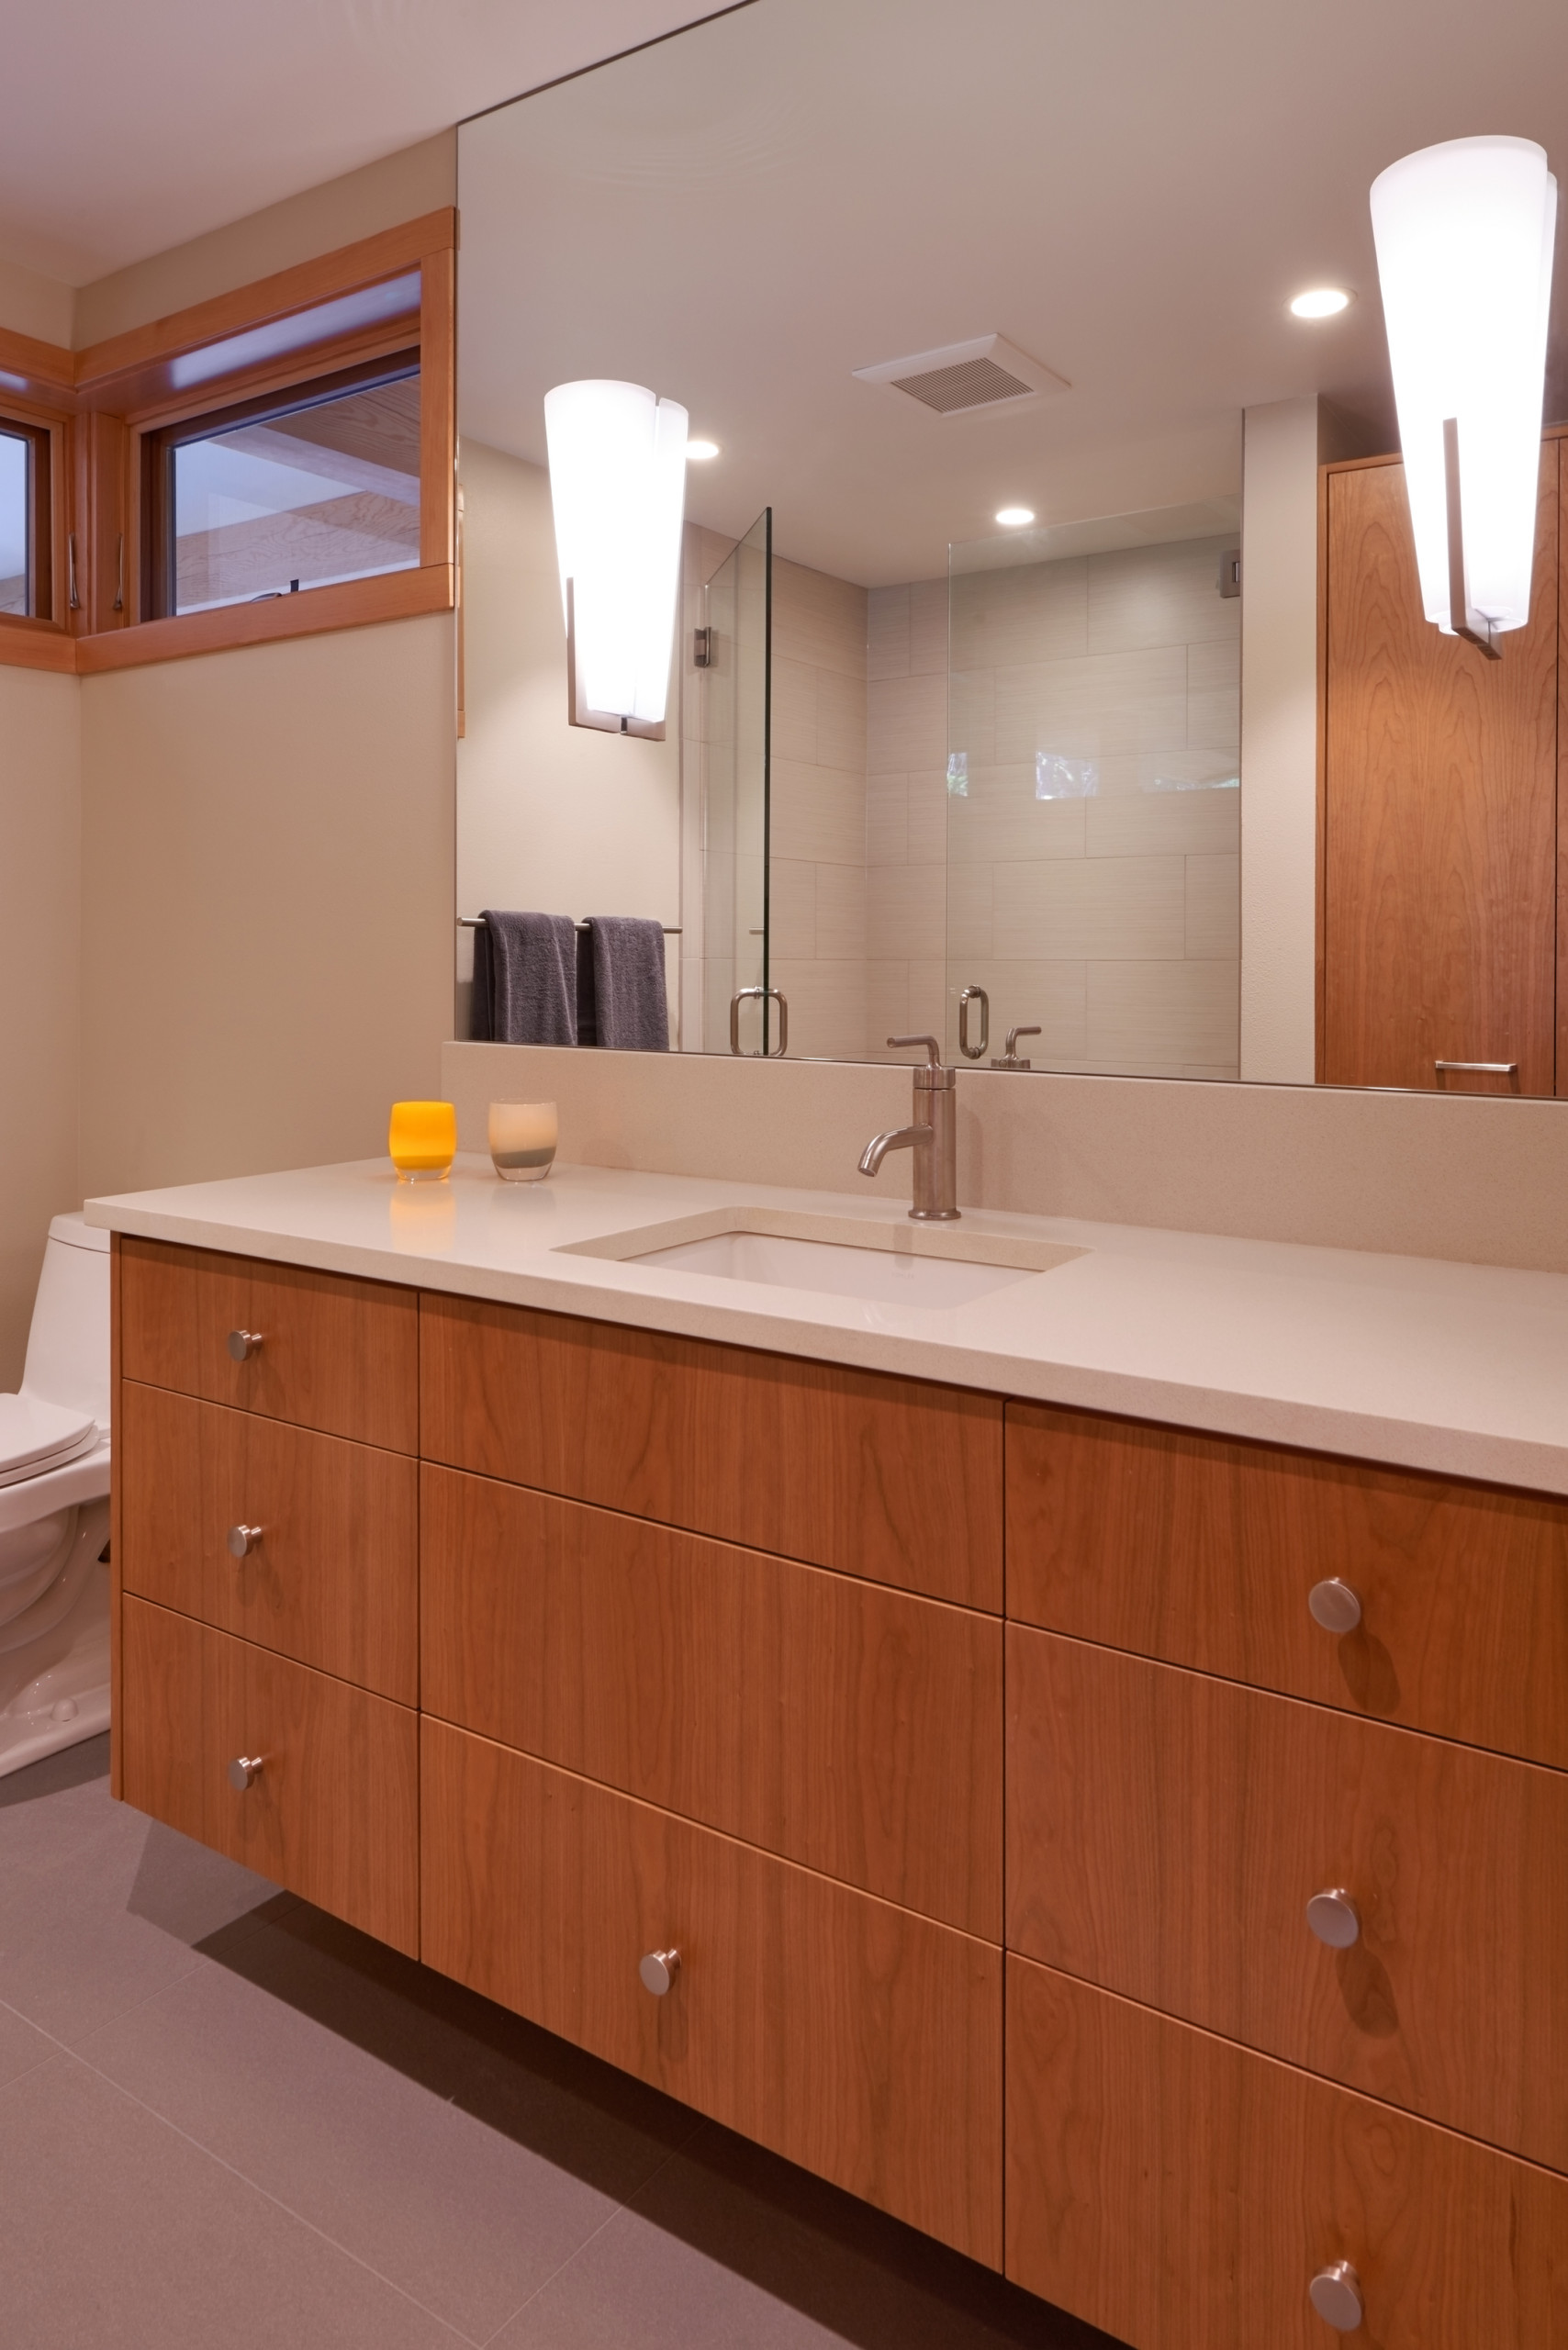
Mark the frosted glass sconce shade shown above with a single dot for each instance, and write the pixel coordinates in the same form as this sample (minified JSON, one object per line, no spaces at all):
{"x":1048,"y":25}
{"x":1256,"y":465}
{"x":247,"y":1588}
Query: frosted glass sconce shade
{"x":1464,"y":235}
{"x":618,"y":487}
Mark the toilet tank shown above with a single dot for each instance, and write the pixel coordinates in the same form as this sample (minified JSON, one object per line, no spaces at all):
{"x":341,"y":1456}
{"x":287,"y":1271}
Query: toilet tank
{"x":68,"y":1344}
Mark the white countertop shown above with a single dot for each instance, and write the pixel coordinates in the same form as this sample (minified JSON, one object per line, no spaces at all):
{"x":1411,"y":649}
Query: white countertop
{"x":1457,"y":1368}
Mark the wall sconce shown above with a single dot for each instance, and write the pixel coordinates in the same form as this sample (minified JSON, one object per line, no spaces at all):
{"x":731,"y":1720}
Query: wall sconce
{"x":1464,"y":235}
{"x":618,"y":487}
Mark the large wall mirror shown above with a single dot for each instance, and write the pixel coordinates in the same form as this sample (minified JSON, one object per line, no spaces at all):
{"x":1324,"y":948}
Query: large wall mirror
{"x":923,"y":768}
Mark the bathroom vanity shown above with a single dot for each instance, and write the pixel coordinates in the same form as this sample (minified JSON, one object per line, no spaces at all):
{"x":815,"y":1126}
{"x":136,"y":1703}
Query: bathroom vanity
{"x":892,"y":1731}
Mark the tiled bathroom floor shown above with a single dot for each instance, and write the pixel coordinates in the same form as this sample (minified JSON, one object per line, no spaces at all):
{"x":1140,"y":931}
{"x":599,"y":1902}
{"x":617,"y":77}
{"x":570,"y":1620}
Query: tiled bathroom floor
{"x":228,"y":2121}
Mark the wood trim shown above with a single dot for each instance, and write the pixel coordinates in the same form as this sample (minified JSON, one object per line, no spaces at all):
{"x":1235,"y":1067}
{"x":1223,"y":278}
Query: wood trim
{"x":35,"y":645}
{"x":117,"y":1554}
{"x":45,"y":370}
{"x":1320,"y":880}
{"x":438,"y":409}
{"x":282,"y":374}
{"x":316,"y":611}
{"x":383,"y":255}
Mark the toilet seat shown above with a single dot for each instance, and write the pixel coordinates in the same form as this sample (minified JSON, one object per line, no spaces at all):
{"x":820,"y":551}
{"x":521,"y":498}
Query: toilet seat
{"x":37,"y":1435}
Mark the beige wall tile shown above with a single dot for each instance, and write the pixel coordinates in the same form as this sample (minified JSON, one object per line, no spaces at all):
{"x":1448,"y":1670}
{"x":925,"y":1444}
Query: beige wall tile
{"x":906,"y":911}
{"x":841,"y":721}
{"x":1150,"y":771}
{"x":827,"y":1007}
{"x":793,"y":717}
{"x":1110,"y":906}
{"x":818,"y":814}
{"x":927,"y":799}
{"x":792,"y":907}
{"x":1152,"y":823}
{"x":887,"y":1007}
{"x":1214,"y":907}
{"x":887,"y":819}
{"x":1214,"y":667}
{"x":887,"y":633}
{"x":1025,"y":993}
{"x":819,"y":619}
{"x":1171,"y":1014}
{"x":1107,"y":703}
{"x":1159,"y":595}
{"x":928,"y":631}
{"x":928,"y":998}
{"x":1001,"y":818}
{"x":971,"y":716}
{"x":1024,"y":612}
{"x":907,"y":724}
{"x":970,"y":911}
{"x":840,"y":912}
{"x":1215,"y":720}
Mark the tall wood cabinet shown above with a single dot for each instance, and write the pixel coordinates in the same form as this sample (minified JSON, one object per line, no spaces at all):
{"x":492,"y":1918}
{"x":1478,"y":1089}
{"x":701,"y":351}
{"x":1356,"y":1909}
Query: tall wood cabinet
{"x":1440,"y":929}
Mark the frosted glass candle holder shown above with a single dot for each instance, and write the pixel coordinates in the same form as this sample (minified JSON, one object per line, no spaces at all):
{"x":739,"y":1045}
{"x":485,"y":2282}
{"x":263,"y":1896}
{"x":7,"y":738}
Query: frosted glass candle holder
{"x":522,"y":1140}
{"x":422,"y":1140}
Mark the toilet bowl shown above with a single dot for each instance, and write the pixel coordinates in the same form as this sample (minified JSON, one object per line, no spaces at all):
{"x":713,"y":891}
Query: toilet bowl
{"x":54,"y":1509}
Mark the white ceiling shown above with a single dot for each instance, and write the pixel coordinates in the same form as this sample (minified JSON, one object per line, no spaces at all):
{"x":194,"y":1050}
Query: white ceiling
{"x":127,"y":129}
{"x":1129,"y":190}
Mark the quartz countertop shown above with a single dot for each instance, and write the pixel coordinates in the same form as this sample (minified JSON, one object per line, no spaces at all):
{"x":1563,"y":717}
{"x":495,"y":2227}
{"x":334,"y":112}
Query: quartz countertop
{"x":1410,"y":1360}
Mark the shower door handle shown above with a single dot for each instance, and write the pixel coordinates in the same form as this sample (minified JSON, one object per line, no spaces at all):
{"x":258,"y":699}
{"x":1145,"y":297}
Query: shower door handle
{"x":757,"y":995}
{"x":973,"y":995}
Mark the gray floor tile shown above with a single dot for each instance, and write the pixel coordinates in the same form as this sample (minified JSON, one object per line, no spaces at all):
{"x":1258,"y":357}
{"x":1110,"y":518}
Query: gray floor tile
{"x":118,"y":2231}
{"x":727,"y":2246}
{"x":460,"y":2215}
{"x":99,"y":1906}
{"x":20,"y":2046}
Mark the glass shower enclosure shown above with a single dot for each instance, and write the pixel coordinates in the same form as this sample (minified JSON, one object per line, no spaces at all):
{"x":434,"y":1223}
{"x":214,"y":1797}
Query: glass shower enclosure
{"x":741,"y":1011}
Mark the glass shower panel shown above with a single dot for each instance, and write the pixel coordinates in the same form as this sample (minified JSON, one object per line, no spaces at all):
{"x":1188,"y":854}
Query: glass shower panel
{"x":1094,"y":794}
{"x":737,"y":702}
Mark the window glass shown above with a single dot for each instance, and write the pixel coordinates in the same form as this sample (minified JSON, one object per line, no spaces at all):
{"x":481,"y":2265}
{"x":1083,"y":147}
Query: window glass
{"x":325,"y":492}
{"x":15,"y":458}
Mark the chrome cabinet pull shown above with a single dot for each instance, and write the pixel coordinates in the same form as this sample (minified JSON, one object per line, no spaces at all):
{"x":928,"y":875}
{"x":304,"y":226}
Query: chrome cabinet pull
{"x":244,"y":1770}
{"x":119,"y":604}
{"x":1510,"y":1069}
{"x":1335,"y":2294}
{"x":658,"y":1970}
{"x":1335,"y":1606}
{"x":1334,"y":1919}
{"x":757,"y":995}
{"x":73,"y":598}
{"x":242,"y":1540}
{"x":973,"y":995}
{"x":243,"y":1344}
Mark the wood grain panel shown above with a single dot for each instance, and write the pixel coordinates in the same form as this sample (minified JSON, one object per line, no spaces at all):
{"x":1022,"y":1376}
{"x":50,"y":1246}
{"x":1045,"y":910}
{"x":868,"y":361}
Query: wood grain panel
{"x":159,"y":1715}
{"x":1166,"y":1831}
{"x":891,"y":1479}
{"x":847,"y":2034}
{"x":338,"y":1354}
{"x":116,"y":1498}
{"x":1181,"y":2193}
{"x":333,"y":1581}
{"x":854,"y":1729}
{"x":1439,"y":812}
{"x":1204,"y":1551}
{"x":317,"y":612}
{"x":334,"y":1814}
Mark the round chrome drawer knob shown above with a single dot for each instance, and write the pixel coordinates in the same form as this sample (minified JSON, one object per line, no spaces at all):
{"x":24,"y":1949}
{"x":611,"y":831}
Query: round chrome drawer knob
{"x":1333,"y":1917}
{"x":1335,"y":2294}
{"x":658,"y":1970}
{"x":242,"y":1540}
{"x":243,"y":1344}
{"x":244,"y":1771}
{"x":1335,"y":1606}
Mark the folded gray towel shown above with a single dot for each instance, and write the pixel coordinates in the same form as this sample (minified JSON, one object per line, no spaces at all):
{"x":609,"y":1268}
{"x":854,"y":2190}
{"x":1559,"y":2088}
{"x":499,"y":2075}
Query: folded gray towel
{"x":630,"y":1011}
{"x":532,"y":968}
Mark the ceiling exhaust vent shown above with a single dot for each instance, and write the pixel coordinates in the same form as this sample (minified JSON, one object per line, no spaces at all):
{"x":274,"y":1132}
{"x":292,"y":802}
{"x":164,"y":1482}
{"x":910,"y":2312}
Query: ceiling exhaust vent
{"x":986,"y":373}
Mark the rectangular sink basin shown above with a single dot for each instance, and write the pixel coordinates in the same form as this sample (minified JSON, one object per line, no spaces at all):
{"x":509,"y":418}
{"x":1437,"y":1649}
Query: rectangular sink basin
{"x":889,"y":1264}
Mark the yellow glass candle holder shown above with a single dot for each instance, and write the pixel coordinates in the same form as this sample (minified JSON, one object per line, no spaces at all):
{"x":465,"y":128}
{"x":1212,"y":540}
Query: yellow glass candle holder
{"x":422,"y":1140}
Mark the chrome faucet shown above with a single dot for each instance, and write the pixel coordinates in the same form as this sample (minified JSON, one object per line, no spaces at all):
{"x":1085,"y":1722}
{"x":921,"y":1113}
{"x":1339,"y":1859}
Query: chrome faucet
{"x":932,"y":1137}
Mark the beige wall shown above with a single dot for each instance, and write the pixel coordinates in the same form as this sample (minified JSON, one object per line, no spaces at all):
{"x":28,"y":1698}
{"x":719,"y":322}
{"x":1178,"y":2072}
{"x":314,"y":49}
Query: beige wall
{"x":267,"y":892}
{"x":40,"y":826}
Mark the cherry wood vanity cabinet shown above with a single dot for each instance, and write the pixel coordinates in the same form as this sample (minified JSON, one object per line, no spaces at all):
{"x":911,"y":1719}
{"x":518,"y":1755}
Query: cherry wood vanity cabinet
{"x":1134,"y":1857}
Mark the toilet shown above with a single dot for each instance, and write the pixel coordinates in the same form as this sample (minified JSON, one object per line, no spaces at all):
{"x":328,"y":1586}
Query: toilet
{"x":54,"y":1509}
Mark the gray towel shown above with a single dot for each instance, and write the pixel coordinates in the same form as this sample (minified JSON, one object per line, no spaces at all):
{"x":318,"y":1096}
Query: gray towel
{"x":630,"y":1012}
{"x":533,"y":969}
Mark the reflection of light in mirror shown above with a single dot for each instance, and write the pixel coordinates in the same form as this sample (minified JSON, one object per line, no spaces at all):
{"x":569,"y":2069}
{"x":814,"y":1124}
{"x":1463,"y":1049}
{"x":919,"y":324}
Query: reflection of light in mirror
{"x":1059,"y":778}
{"x":699,"y":451}
{"x":958,"y":775}
{"x":618,"y":488}
{"x":1186,"y":783}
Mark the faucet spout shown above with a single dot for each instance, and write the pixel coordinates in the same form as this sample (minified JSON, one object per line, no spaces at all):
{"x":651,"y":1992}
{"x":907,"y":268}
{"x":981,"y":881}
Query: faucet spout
{"x":896,"y":1138}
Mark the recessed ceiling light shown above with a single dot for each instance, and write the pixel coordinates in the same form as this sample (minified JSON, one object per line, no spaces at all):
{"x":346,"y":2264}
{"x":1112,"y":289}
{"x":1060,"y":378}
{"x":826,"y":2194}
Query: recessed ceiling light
{"x":701,"y":450}
{"x":1320,"y":302}
{"x":1012,"y":518}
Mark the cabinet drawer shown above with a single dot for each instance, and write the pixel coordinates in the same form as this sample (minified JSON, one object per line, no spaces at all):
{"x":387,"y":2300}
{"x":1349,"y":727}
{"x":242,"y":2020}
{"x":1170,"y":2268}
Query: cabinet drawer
{"x":853,"y":1728}
{"x":1182,"y":2193}
{"x":333,"y":1812}
{"x":336,"y":1354}
{"x":1166,"y":1832}
{"x":333,"y":1579}
{"x":1204,"y":1551}
{"x":891,"y":1479}
{"x":848,"y":2035}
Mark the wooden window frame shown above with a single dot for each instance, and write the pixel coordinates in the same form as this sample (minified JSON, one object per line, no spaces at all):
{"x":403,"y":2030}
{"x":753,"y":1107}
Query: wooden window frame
{"x":99,"y":406}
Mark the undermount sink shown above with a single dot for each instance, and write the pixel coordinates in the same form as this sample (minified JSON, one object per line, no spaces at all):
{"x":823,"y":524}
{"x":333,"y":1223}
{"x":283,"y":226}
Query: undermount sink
{"x":889,"y":1264}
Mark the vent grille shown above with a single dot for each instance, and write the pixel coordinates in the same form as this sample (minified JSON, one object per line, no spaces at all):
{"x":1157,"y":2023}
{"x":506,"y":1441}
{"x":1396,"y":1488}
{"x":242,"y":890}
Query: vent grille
{"x":979,"y":382}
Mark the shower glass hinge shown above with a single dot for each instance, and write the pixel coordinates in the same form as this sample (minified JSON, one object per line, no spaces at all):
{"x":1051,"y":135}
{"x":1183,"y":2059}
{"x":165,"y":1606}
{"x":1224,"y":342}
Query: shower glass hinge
{"x":702,"y":648}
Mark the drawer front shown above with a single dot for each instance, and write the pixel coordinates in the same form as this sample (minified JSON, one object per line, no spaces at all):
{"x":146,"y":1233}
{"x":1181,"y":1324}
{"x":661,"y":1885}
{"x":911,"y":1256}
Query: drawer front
{"x":635,"y":1654}
{"x":887,"y":1478}
{"x":336,"y":1354}
{"x":333,"y":1812}
{"x":1182,"y":2193}
{"x":1204,"y":1553}
{"x":330,"y":1577}
{"x":1166,"y":1832}
{"x":847,"y":2035}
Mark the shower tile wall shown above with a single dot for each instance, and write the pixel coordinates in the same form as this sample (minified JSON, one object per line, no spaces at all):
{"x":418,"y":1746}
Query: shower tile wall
{"x":1093,"y":862}
{"x":906,"y":813}
{"x":819,"y":912}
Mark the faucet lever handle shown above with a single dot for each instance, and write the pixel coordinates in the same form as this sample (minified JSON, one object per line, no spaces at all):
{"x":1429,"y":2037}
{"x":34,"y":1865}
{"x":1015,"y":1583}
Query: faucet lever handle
{"x":933,"y":1050}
